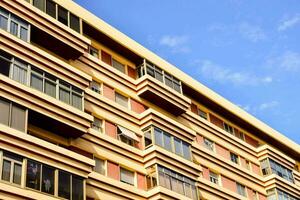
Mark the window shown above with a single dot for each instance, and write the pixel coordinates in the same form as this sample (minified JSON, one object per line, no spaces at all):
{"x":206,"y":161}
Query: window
{"x":97,"y":124}
{"x":33,"y":175}
{"x":51,"y":8}
{"x":40,"y":177}
{"x":40,"y":4}
{"x":48,"y":179}
{"x":281,"y":171}
{"x":119,"y":66}
{"x":94,"y":52}
{"x":202,"y":114}
{"x":5,"y":63}
{"x":4,"y":15}
{"x":99,"y":166}
{"x":282,"y":195}
{"x":160,"y":75}
{"x":234,"y":158}
{"x":186,"y":150}
{"x":96,"y":87}
{"x":50,"y":85}
{"x":171,"y":143}
{"x":167,"y":142}
{"x":248,"y":164}
{"x":12,"y":168}
{"x":12,"y":115}
{"x":19,"y":72}
{"x":36,"y":80}
{"x":77,"y":188}
{"x":209,"y":144}
{"x":74,"y":23}
{"x":228,"y":128}
{"x":62,"y":15}
{"x":214,"y":178}
{"x":148,"y":138}
{"x":64,"y":184}
{"x":151,"y":181}
{"x":121,"y":100}
{"x":241,"y":190}
{"x":127,"y":176}
{"x":177,"y":182}
{"x":18,"y":118}
{"x":18,"y":27}
{"x":265,"y":167}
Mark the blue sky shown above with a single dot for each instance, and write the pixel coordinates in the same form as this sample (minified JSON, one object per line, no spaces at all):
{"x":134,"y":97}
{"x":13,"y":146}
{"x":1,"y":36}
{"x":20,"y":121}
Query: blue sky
{"x":247,"y":51}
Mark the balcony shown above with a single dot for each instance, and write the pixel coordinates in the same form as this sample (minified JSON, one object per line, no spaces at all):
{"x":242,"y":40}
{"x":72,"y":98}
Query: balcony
{"x":46,"y":31}
{"x":161,"y":89}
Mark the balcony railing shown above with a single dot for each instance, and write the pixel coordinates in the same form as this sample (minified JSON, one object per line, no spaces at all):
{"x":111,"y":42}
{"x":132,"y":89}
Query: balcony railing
{"x":157,"y":73}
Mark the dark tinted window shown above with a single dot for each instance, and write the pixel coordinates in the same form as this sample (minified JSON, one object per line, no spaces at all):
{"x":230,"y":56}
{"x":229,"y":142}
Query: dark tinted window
{"x":74,"y":23}
{"x":40,"y":4}
{"x":77,"y":188}
{"x":48,"y":180}
{"x":64,"y":185}
{"x":63,"y":15}
{"x":51,"y":8}
{"x":33,"y":175}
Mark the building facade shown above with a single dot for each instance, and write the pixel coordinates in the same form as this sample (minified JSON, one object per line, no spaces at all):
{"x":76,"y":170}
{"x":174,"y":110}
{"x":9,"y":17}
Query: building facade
{"x":88,"y":113}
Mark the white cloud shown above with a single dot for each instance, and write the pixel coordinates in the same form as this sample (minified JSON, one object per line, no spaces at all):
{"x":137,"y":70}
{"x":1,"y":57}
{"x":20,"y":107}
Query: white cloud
{"x":178,"y":44}
{"x":289,"y":22}
{"x":252,"y":32}
{"x":220,"y":74}
{"x":268,"y":105}
{"x":288,"y":61}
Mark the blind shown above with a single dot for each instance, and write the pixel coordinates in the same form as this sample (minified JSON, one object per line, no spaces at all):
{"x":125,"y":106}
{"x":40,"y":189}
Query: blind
{"x":119,"y":66}
{"x":4,"y":107}
{"x":18,"y":117}
{"x":127,"y":176}
{"x":120,"y":99}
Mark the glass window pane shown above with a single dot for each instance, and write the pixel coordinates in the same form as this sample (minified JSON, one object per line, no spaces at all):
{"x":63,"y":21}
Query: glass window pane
{"x":36,"y":80}
{"x":74,"y":23}
{"x":99,"y":167}
{"x":17,"y":173}
{"x":64,"y":185}
{"x":64,"y":95}
{"x":20,"y":72}
{"x":5,"y":62}
{"x":77,"y":188}
{"x":18,"y":118}
{"x":63,"y":15}
{"x":40,"y":4}
{"x":119,"y":66}
{"x":127,"y":176}
{"x":178,"y":146}
{"x":51,"y":8}
{"x":33,"y":175}
{"x":94,"y":52}
{"x":14,"y":28}
{"x":158,"y":137}
{"x":148,"y":138}
{"x":3,"y":22}
{"x":77,"y":101}
{"x":186,"y":150}
{"x":4,"y":107}
{"x":50,"y":86}
{"x":6,"y":169}
{"x":167,"y":142}
{"x":122,"y":100}
{"x":48,"y":180}
{"x":24,"y":34}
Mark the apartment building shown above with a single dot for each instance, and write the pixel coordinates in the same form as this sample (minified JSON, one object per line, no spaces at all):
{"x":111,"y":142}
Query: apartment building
{"x":88,"y":113}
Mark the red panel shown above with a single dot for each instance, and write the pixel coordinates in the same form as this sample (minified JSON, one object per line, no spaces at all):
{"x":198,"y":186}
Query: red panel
{"x":137,"y":106}
{"x":113,"y":170}
{"x":194,"y":109}
{"x":216,"y":121}
{"x":228,"y":183}
{"x":110,"y":129}
{"x":222,"y":151}
{"x":108,"y":92}
{"x":200,"y":139}
{"x":105,"y":57}
{"x":141,"y":181}
{"x":131,"y":72}
{"x":255,"y":169}
{"x":205,"y":173}
{"x":251,"y":141}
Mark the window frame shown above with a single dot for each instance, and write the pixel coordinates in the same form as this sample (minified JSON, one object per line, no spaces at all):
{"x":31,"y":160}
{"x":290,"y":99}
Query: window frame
{"x":122,"y":169}
{"x":214,"y":177}
{"x":13,"y":162}
{"x":209,"y":144}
